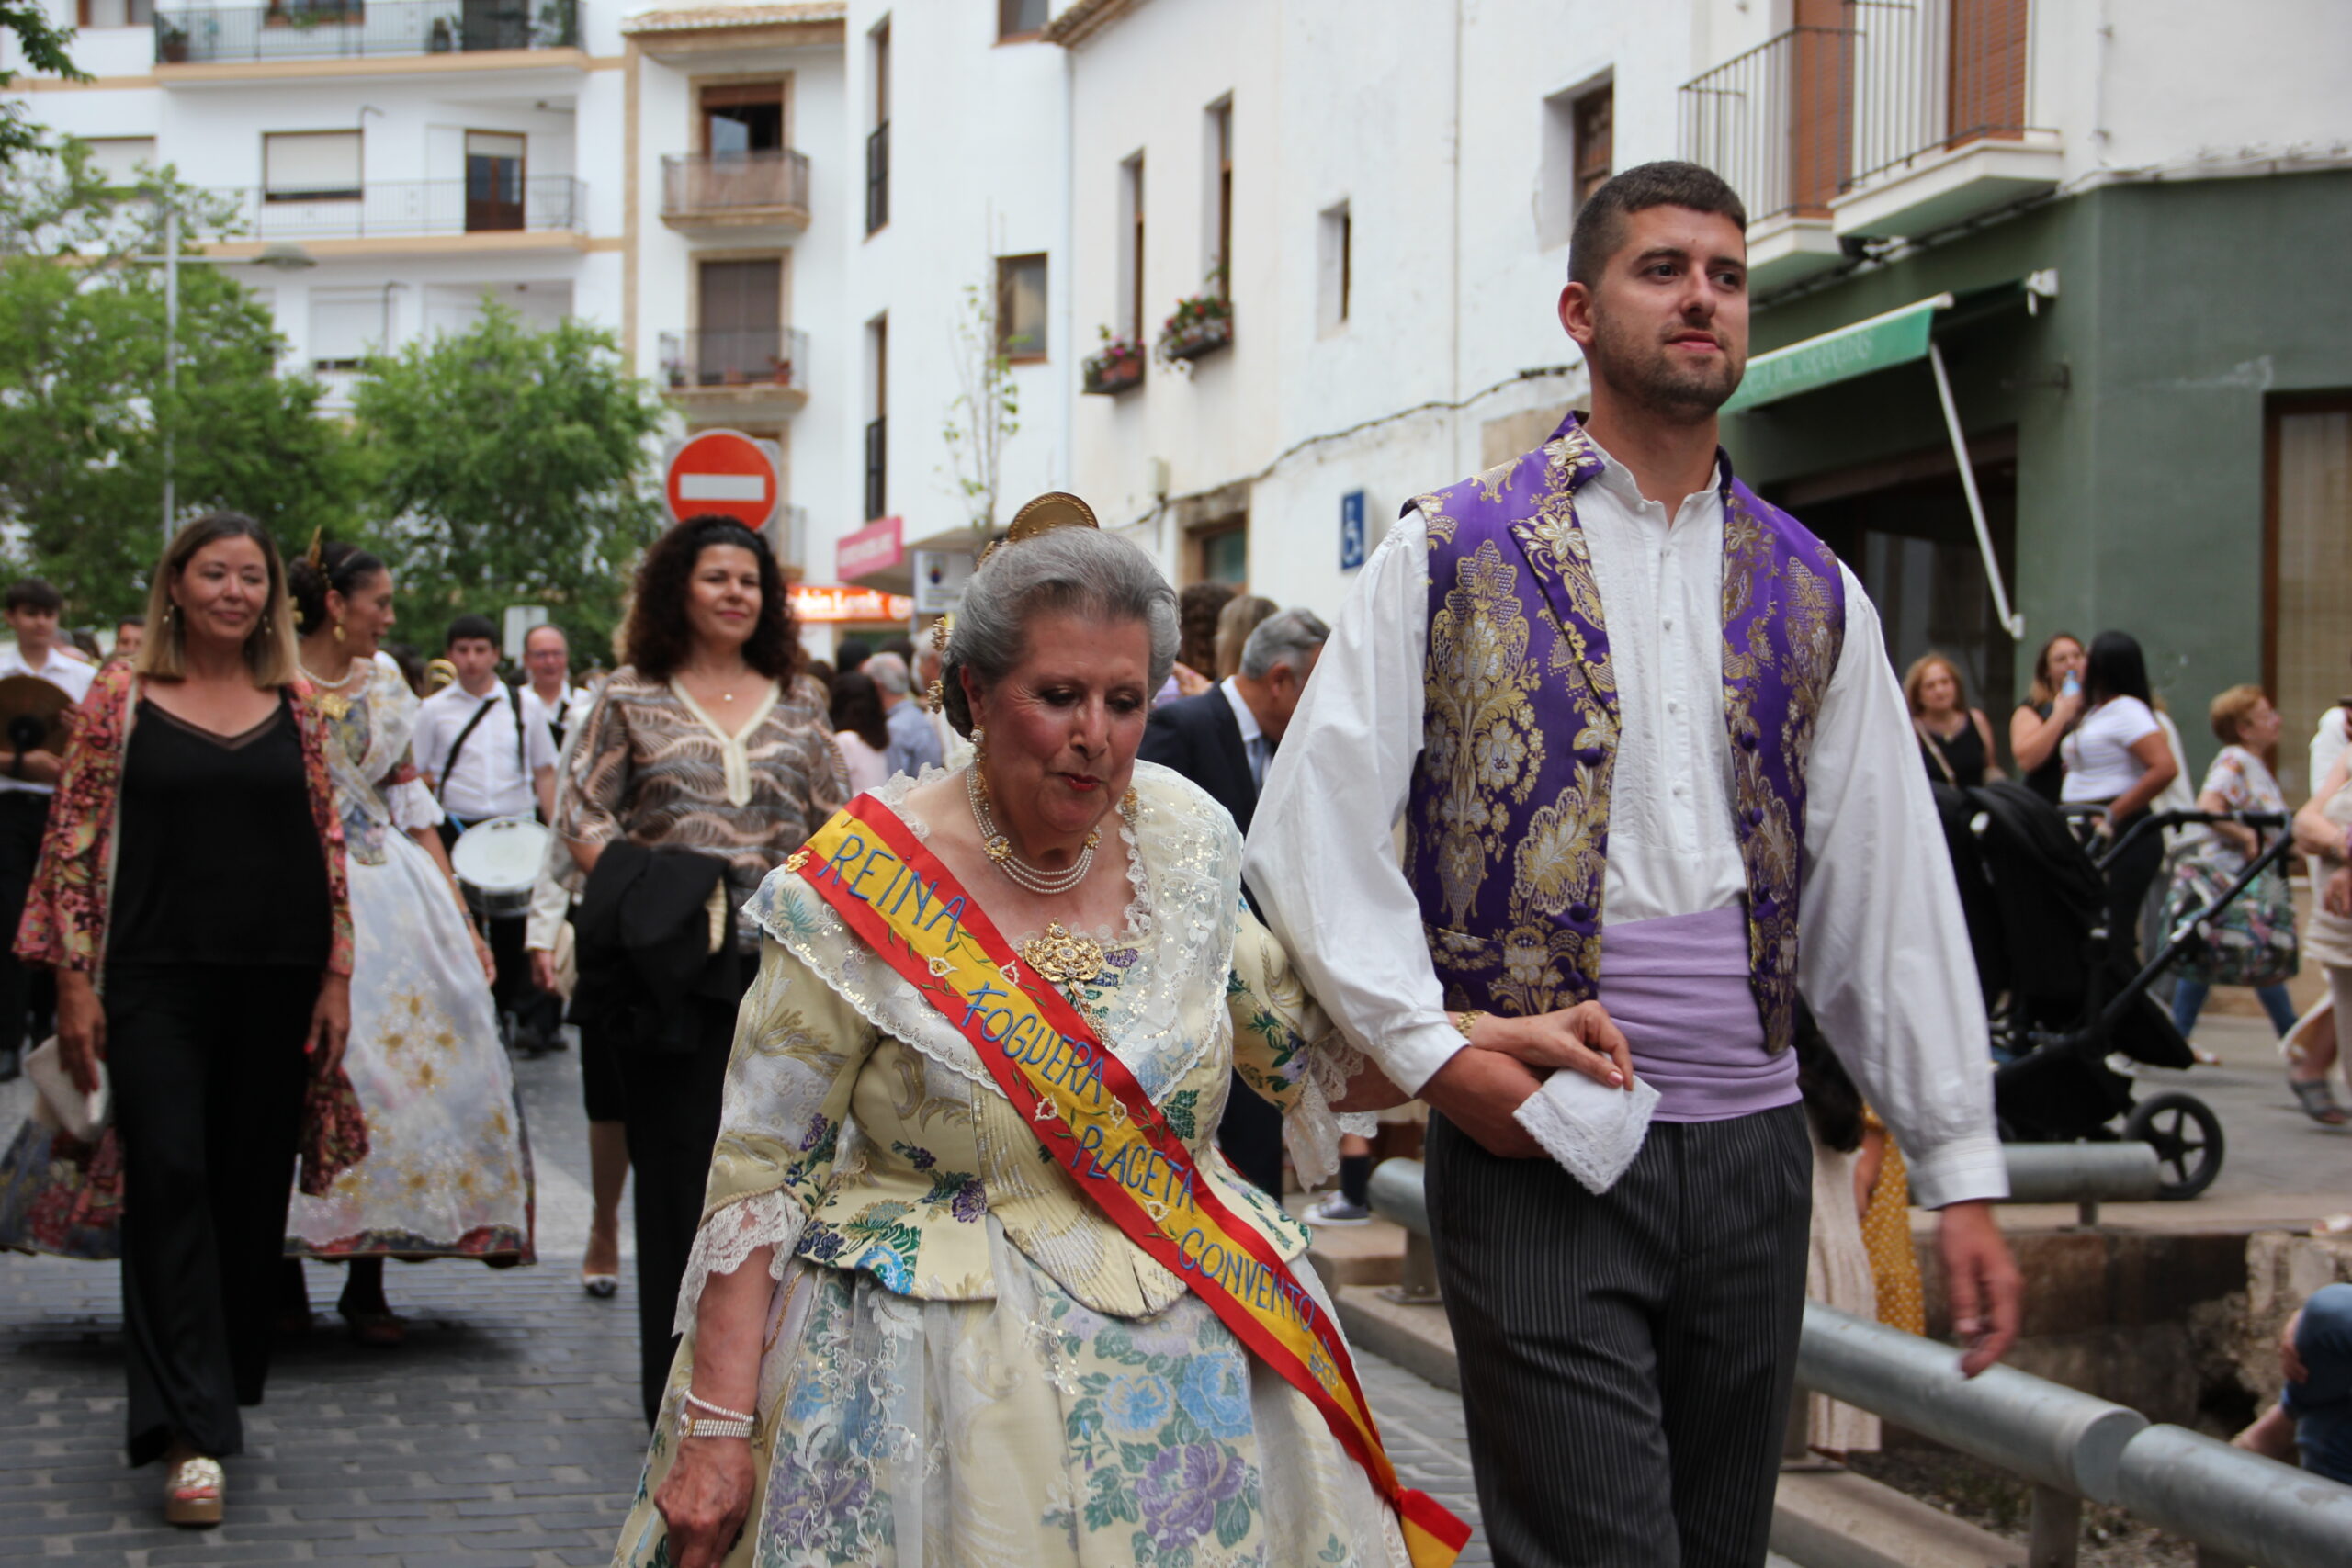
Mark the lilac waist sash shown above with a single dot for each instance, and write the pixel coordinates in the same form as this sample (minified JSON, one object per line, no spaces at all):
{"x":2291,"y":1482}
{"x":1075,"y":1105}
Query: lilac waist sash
{"x":1677,"y":987}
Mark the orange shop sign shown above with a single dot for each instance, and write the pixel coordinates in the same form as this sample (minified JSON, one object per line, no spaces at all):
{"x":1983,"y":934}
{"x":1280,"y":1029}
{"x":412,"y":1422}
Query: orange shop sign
{"x":838,"y":601}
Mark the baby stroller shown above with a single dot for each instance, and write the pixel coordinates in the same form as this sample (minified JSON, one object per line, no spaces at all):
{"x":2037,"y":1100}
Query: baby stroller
{"x":2063,"y":993}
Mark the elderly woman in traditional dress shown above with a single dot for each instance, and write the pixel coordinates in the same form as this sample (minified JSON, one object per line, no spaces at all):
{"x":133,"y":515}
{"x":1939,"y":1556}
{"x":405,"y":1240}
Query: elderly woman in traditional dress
{"x":1024,"y":1314}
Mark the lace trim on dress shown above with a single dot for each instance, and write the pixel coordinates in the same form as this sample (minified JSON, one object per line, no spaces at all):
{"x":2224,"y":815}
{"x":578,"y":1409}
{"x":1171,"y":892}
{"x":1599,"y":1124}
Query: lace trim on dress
{"x":729,"y":1237}
{"x":412,"y":807}
{"x":1311,"y":1130}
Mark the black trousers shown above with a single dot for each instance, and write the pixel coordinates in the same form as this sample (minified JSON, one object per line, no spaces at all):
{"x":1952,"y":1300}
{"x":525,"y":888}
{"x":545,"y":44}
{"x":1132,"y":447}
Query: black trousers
{"x":1251,"y":1133}
{"x":2129,"y":876}
{"x":1627,"y":1358}
{"x":28,"y":999}
{"x":208,"y":1075}
{"x":672,"y":1119}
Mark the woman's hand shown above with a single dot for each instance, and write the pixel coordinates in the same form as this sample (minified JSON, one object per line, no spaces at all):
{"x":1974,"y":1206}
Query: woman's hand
{"x":482,"y":955}
{"x":81,"y":1027}
{"x":706,"y":1499}
{"x":1582,"y":1038}
{"x":1191,"y":683}
{"x":2339,"y":891}
{"x":330,"y":1024}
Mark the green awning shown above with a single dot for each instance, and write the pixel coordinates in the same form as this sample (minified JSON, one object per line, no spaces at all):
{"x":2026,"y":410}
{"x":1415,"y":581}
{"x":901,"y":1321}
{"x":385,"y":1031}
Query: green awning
{"x":1897,"y":337}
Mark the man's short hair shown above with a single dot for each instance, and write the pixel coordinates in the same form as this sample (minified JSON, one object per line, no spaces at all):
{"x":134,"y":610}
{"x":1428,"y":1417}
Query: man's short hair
{"x":1286,"y":637}
{"x":889,"y":673}
{"x":470,"y":628}
{"x":546,"y":627}
{"x":32,"y":593}
{"x":1600,"y":230}
{"x":128,"y":621}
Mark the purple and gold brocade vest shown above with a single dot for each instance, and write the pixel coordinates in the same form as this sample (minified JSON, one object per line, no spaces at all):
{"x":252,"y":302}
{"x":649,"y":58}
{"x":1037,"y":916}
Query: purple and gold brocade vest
{"x":1508,"y":823}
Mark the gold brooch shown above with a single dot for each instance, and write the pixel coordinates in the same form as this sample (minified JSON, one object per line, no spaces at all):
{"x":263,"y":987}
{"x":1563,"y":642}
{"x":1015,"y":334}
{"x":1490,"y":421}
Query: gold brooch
{"x":797,"y":859}
{"x":1061,"y":957}
{"x":334,"y":704}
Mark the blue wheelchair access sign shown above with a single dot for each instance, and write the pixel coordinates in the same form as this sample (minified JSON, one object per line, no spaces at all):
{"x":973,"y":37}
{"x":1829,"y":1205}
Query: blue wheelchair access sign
{"x":1351,"y":532}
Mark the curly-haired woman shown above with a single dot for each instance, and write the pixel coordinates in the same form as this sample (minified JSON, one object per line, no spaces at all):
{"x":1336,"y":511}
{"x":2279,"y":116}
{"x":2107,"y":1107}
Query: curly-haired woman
{"x":708,"y":741}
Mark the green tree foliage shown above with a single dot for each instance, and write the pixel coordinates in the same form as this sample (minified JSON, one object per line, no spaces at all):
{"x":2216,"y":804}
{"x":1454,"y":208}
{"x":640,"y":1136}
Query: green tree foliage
{"x":511,"y":467}
{"x":42,"y":43}
{"x":83,"y":400}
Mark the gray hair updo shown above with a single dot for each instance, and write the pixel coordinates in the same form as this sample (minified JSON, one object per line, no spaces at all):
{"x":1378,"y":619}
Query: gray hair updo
{"x":1069,"y":569}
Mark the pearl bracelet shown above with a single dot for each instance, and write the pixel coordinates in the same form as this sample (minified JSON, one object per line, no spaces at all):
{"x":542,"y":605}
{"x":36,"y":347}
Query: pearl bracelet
{"x":719,"y":1410}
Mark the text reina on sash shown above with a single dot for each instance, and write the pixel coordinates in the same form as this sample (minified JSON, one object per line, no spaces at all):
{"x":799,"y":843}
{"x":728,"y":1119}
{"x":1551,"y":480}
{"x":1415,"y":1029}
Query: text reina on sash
{"x":1074,"y":1067}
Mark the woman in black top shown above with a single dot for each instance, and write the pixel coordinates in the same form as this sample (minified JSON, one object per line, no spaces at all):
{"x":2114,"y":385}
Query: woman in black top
{"x":2049,"y":712}
{"x":1955,"y":739}
{"x":199,"y":774}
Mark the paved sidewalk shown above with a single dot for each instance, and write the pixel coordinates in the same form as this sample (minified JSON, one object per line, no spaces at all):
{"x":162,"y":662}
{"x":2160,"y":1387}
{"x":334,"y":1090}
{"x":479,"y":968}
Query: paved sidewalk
{"x":506,"y":1432}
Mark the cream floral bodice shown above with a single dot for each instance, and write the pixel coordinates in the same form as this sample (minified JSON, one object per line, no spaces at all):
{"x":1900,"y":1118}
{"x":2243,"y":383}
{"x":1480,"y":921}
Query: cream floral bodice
{"x":371,"y":721}
{"x":861,"y":1131}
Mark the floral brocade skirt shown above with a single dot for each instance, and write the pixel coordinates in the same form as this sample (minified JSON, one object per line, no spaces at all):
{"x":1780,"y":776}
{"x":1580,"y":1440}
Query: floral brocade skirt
{"x":1029,"y":1431}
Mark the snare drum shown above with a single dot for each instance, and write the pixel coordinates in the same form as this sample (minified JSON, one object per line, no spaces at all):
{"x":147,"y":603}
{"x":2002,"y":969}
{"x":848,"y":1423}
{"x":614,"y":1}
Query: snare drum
{"x":497,"y":863}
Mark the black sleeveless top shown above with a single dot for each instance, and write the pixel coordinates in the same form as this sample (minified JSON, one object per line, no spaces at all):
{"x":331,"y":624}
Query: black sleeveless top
{"x":1964,"y":753}
{"x":2048,"y":779}
{"x":216,"y":858}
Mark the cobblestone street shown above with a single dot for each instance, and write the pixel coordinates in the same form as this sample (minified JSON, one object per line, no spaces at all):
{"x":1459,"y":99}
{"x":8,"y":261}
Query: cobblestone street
{"x":504,"y":1433}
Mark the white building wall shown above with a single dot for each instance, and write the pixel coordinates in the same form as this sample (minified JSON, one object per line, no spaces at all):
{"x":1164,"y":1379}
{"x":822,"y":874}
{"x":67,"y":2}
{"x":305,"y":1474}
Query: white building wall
{"x":977,"y":171}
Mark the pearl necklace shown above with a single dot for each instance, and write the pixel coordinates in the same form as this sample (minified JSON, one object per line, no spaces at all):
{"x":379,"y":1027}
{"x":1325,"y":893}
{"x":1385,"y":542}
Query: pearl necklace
{"x":1000,"y":849}
{"x":331,"y":698}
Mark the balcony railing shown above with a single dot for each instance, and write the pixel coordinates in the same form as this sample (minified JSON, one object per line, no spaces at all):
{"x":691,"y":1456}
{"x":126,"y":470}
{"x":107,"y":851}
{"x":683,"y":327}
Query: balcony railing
{"x":877,"y":177}
{"x":1931,"y":75}
{"x":735,"y":356}
{"x":316,"y":29}
{"x":1775,"y":122}
{"x":545,"y":203}
{"x":723,"y":185}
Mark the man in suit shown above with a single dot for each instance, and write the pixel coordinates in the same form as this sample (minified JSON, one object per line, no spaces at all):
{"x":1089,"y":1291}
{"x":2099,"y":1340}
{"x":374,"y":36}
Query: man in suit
{"x":1223,"y":741}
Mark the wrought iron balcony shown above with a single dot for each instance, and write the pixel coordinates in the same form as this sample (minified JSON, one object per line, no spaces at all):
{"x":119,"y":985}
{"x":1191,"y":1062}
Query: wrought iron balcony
{"x":753,"y":363}
{"x":1932,"y":75}
{"x":877,"y":177}
{"x":738,"y":189}
{"x":544,"y":203}
{"x":1776,"y":121}
{"x":321,"y":29}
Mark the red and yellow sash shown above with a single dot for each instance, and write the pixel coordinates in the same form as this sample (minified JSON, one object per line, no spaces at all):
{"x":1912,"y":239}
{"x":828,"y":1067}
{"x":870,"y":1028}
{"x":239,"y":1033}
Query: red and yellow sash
{"x":1096,"y":1120}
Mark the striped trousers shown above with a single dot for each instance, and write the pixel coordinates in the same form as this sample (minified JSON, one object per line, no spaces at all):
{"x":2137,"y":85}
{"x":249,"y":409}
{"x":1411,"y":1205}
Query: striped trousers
{"x":1627,"y":1358}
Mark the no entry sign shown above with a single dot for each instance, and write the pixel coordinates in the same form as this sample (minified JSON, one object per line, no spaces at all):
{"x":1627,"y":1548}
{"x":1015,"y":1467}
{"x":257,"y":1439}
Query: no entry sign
{"x":723,"y":471}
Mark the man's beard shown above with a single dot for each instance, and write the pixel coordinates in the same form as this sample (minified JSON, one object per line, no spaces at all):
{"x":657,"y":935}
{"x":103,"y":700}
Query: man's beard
{"x":1646,"y":370}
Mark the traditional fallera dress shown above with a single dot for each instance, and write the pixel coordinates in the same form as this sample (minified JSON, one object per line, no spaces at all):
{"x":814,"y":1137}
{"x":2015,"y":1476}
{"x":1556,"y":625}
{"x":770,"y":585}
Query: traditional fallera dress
{"x":965,"y":1361}
{"x":448,"y":1173}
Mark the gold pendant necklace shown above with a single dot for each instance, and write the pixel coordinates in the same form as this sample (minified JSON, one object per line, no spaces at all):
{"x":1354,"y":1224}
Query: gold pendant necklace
{"x":1062,"y":957}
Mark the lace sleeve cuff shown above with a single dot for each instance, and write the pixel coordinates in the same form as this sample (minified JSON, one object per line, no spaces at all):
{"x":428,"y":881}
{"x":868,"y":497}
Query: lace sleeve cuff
{"x":412,"y":807}
{"x":1311,"y":1129}
{"x":728,"y":1239}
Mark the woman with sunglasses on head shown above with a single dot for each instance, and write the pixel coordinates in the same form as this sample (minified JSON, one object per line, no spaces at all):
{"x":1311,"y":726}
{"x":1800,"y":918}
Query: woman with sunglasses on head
{"x":194,"y":868}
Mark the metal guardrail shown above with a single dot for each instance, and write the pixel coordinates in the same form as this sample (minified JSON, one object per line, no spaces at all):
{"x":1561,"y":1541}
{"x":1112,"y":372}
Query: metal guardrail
{"x":327,"y":30}
{"x":735,"y":356}
{"x":1776,"y":122}
{"x":544,"y":203}
{"x":2238,"y":1507}
{"x":2083,"y":1174}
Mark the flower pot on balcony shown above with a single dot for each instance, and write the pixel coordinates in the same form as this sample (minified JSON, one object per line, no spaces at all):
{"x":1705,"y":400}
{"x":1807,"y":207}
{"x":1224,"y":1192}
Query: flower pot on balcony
{"x":1108,"y":376}
{"x":1201,"y":325}
{"x":440,"y":40}
{"x":171,"y":48}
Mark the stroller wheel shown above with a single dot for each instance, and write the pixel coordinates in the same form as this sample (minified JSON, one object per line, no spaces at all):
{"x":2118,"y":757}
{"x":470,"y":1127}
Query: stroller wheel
{"x":2187,"y":1137}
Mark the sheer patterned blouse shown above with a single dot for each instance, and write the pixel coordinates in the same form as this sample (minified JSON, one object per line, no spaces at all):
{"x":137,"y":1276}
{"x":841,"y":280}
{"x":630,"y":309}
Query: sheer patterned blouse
{"x":653,"y":768}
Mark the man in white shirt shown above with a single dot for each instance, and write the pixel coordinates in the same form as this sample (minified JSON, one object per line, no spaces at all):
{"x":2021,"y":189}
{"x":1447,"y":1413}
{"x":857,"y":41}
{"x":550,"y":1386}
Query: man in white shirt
{"x":551,"y":700}
{"x":32,"y":608}
{"x":1607,"y":676}
{"x":482,"y":758}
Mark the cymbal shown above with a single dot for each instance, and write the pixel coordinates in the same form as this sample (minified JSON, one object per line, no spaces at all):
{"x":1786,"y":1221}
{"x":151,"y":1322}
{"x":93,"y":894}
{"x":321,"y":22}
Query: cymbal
{"x":33,"y":714}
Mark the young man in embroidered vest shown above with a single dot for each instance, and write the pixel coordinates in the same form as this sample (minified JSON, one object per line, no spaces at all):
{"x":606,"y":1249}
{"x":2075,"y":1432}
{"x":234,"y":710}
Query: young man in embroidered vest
{"x":1660,"y":790}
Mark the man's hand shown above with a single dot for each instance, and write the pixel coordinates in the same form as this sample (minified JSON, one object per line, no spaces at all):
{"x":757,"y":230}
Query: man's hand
{"x":42,"y":767}
{"x":2291,"y":1354}
{"x":1582,"y":1038}
{"x":543,"y":975}
{"x":1984,"y":1281}
{"x":1478,"y":1090}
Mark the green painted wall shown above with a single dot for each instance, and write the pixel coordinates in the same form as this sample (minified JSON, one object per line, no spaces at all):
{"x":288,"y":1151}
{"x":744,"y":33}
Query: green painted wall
{"x":2181,"y":307}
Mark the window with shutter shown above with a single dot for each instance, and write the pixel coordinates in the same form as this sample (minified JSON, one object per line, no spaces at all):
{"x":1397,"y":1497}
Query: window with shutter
{"x":311,"y":165}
